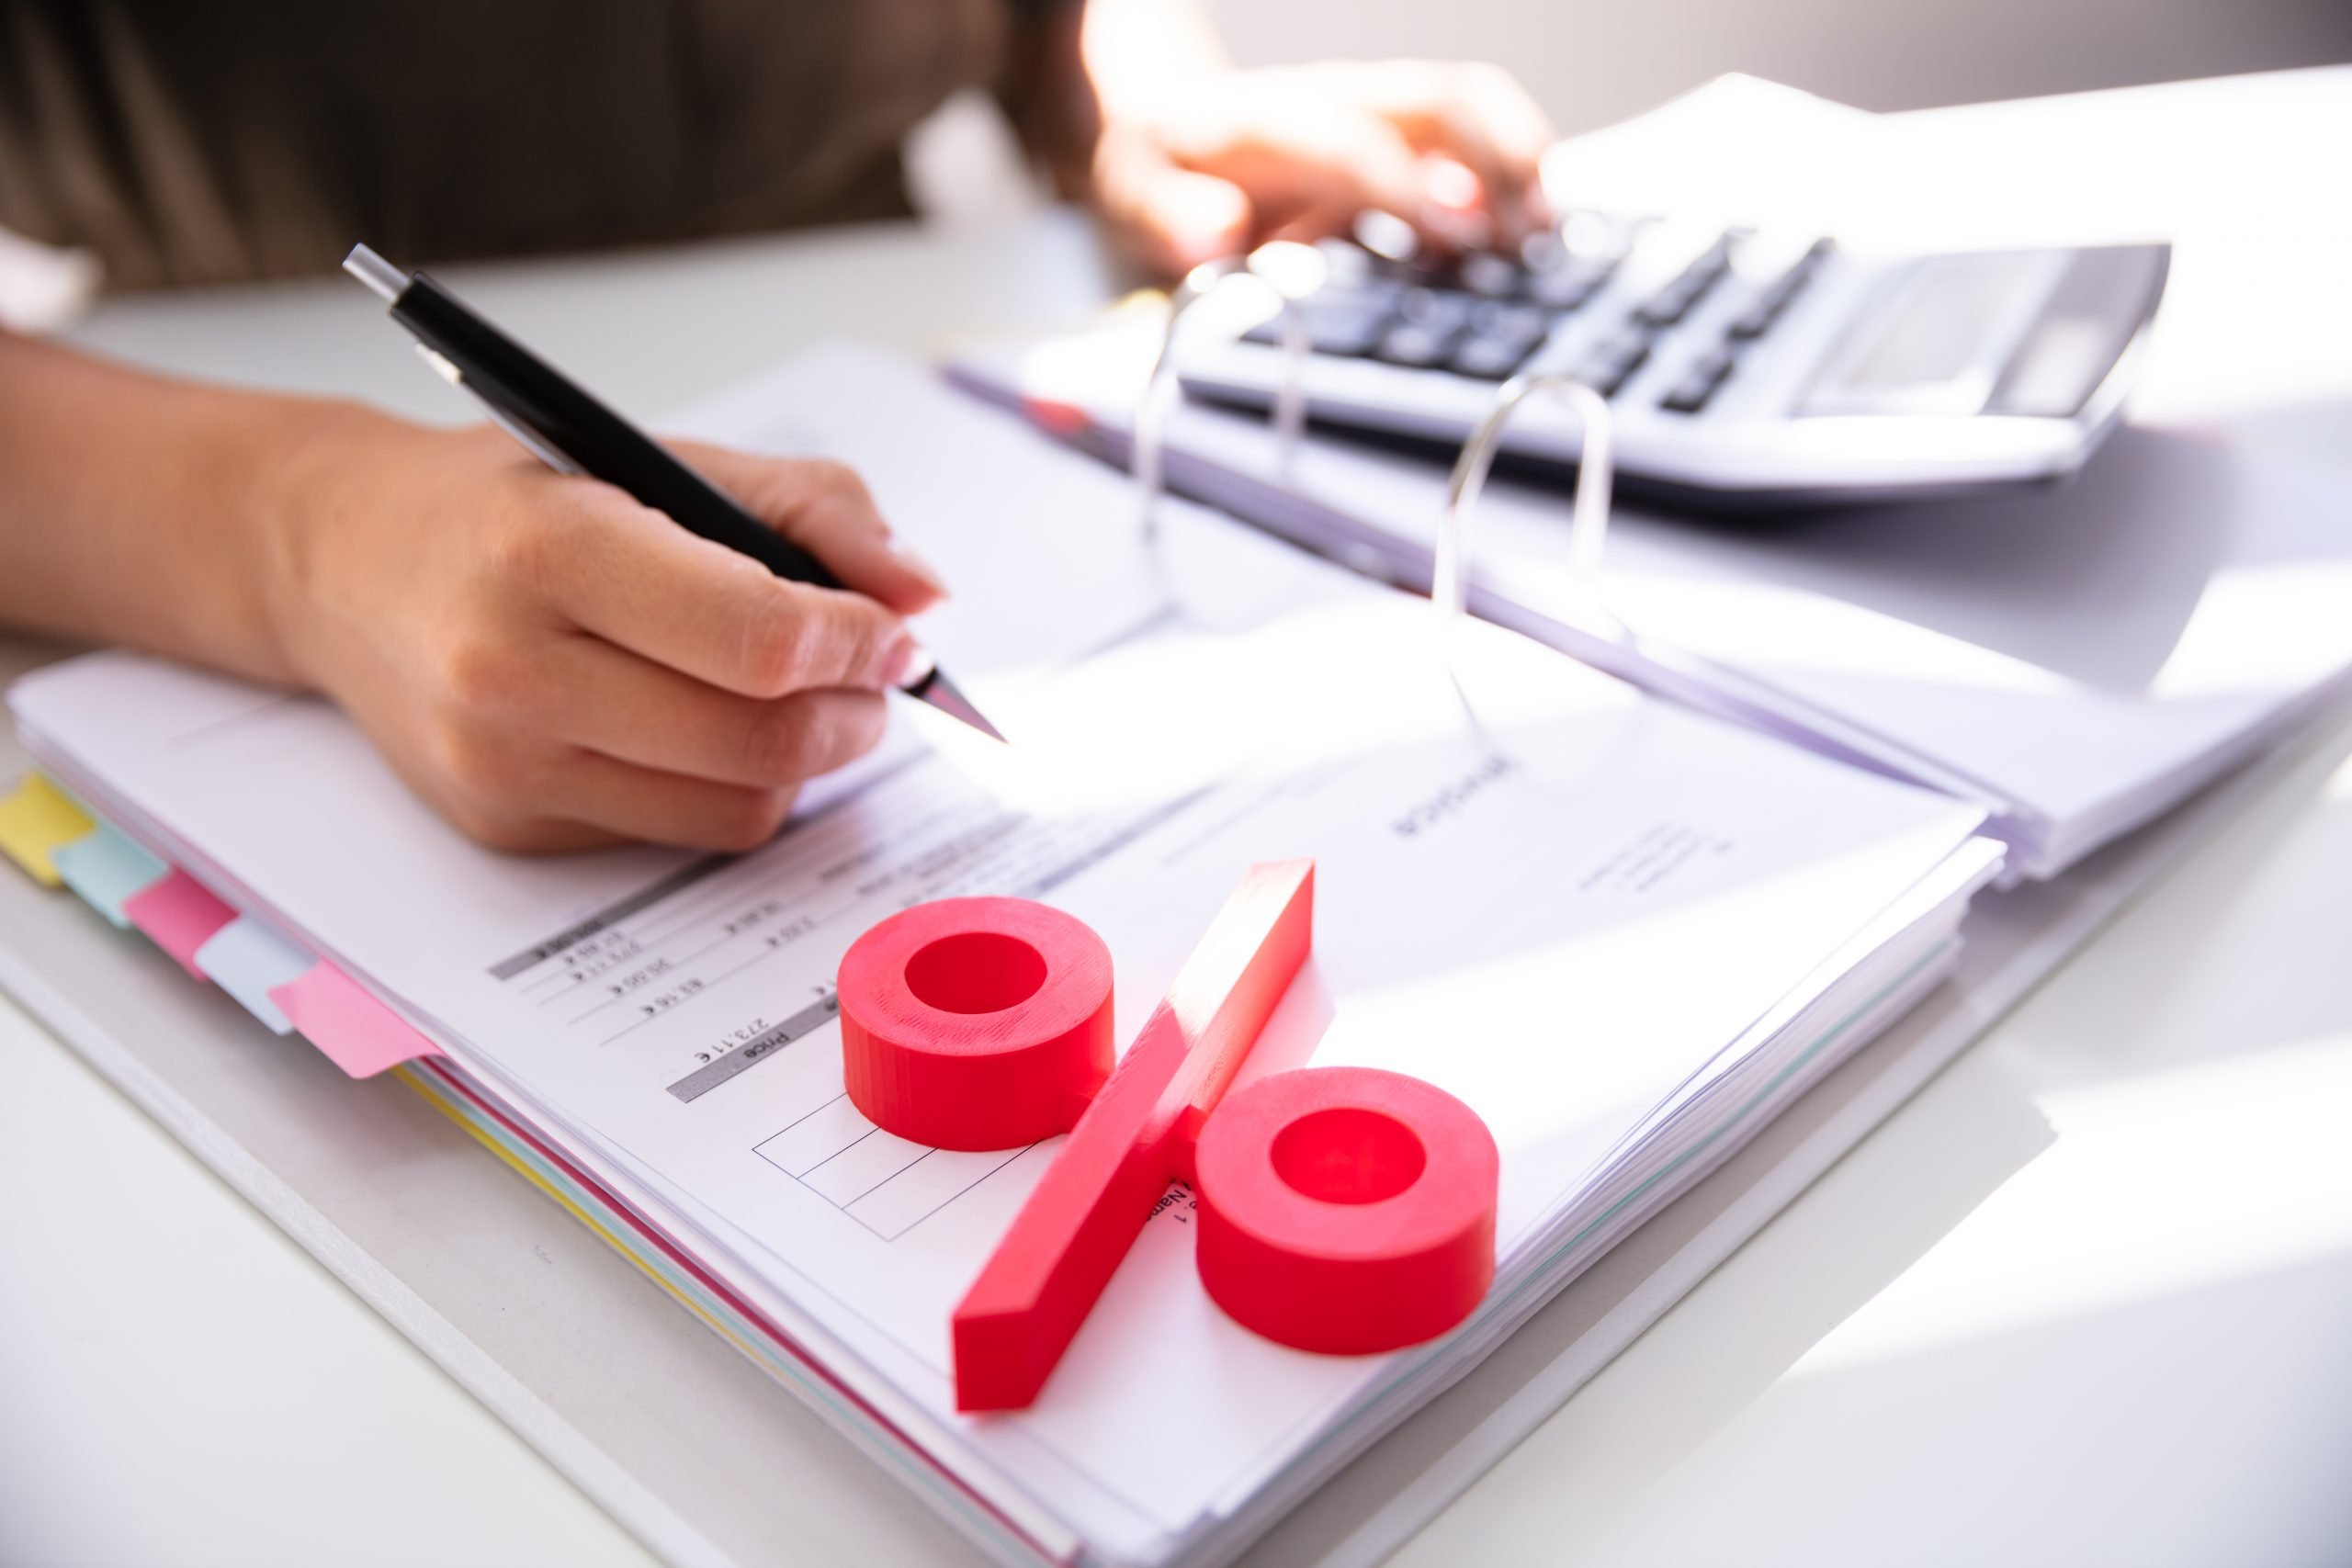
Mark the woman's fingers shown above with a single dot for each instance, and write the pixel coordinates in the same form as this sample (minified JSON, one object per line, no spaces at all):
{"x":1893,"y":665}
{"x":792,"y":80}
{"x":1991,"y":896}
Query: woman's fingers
{"x":826,"y":509}
{"x":1296,"y":150}
{"x":1292,"y":144}
{"x":1477,"y":115}
{"x":1172,"y":218}
{"x":589,"y":744}
{"x":632,"y":576}
{"x":609,"y":701}
{"x":592,"y":798}
{"x":555,"y":666}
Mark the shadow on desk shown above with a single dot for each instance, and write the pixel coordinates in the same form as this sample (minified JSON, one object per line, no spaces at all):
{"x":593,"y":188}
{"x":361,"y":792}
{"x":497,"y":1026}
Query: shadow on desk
{"x":1887,"y":1204}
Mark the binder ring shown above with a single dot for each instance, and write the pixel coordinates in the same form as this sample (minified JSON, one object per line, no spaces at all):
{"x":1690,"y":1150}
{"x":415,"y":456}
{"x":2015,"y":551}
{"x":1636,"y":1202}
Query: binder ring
{"x":1293,"y":271}
{"x":1147,"y":459}
{"x":1588,"y":522}
{"x":1149,"y":451}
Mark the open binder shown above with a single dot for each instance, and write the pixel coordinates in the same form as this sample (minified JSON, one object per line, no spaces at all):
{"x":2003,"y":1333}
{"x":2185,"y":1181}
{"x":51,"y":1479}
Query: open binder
{"x":2079,"y":659}
{"x":1626,"y":934}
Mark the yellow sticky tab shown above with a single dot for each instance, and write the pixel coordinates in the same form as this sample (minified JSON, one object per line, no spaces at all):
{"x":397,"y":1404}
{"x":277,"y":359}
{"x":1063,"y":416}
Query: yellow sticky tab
{"x":37,"y":817}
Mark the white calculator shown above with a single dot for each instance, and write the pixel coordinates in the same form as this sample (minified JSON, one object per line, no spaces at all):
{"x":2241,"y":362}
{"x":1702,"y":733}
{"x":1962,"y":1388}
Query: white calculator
{"x":1746,"y":370}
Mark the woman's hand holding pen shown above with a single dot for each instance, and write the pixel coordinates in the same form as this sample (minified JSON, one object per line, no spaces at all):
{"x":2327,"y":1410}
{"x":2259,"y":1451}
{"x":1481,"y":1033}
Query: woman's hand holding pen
{"x":553,"y":665}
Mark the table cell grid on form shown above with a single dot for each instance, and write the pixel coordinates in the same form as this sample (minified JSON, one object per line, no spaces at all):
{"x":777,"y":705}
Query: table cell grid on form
{"x":816,"y":1137}
{"x":883,"y":1181}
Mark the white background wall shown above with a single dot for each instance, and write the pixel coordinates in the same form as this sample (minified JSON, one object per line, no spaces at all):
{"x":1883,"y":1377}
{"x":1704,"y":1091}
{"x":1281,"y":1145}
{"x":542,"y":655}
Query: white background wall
{"x":1589,"y":61}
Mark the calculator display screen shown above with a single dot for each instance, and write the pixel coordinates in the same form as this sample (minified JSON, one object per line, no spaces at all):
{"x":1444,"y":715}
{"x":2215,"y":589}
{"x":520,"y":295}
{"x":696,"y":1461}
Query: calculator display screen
{"x":1937,"y":345}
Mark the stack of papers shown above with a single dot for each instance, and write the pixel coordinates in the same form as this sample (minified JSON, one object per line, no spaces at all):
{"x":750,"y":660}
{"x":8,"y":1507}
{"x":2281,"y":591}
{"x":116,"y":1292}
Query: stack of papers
{"x":2079,"y":659}
{"x":1624,"y":934}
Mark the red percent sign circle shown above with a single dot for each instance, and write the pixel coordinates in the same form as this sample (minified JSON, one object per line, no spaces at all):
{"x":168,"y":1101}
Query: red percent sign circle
{"x":1343,"y":1210}
{"x":1347,"y":1209}
{"x":976,"y":1023}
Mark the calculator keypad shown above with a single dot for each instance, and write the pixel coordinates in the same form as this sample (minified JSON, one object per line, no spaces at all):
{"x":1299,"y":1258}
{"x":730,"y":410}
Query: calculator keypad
{"x":1486,"y":315}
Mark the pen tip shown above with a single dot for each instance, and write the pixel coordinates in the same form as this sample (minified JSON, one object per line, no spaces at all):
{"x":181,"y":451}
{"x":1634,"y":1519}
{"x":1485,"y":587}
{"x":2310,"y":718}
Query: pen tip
{"x":940,"y":692}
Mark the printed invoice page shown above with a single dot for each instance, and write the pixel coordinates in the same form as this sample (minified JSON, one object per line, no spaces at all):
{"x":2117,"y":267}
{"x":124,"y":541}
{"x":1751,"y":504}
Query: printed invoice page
{"x":1545,"y":893}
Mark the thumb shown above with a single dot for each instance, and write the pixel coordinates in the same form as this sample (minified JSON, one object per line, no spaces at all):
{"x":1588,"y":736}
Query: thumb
{"x":1173,"y":219}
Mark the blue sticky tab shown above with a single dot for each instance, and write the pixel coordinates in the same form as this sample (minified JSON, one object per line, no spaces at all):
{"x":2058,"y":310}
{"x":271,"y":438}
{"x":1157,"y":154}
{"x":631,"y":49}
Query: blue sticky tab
{"x":246,"y":958}
{"x":106,"y":868}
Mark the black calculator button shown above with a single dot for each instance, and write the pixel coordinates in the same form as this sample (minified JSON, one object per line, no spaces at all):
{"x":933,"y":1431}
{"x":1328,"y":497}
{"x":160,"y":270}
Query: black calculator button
{"x":1491,"y":358}
{"x":1490,"y":276}
{"x":1626,"y":343}
{"x":1757,"y":319}
{"x":1609,"y":364}
{"x":1348,"y":331}
{"x":1340,"y":325}
{"x":1416,"y":345}
{"x":1668,"y":306}
{"x":1350,"y":339}
{"x":1688,"y":397}
{"x":1606,"y":378}
{"x":1674,"y":302}
{"x":1698,"y":384}
{"x":1495,"y":318}
{"x":1439,"y":309}
{"x":1568,"y":285}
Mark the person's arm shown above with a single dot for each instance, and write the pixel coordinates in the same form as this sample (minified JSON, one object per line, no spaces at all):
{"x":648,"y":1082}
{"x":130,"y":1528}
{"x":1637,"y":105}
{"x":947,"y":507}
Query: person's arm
{"x":546,"y":661}
{"x":1190,"y":159}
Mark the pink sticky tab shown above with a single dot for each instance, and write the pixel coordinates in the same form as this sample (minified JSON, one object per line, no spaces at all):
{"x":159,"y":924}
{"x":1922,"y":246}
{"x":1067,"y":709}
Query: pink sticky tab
{"x":1064,"y":419}
{"x":355,"y":1031}
{"x":178,"y":916}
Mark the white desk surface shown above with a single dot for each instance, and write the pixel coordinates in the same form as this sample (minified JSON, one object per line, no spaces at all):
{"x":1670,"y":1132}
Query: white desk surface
{"x":2106,"y":1258}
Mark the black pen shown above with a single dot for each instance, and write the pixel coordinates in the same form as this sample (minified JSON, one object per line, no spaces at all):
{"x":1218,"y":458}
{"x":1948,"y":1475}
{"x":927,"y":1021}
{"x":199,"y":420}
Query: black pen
{"x":573,"y":433}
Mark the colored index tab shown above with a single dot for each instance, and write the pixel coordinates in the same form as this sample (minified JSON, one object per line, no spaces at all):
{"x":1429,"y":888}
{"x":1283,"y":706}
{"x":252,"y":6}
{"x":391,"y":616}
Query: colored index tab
{"x":1064,"y":419}
{"x":355,"y":1031}
{"x":107,"y":868}
{"x":248,"y":959}
{"x":37,"y":819}
{"x":178,"y":916}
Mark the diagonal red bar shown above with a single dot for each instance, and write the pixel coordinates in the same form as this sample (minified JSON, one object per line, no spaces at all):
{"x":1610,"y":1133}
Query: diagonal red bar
{"x":1045,"y":1276}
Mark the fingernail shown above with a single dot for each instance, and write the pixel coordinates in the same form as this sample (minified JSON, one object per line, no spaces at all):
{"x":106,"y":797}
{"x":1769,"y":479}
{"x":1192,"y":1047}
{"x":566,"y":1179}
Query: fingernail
{"x":906,"y":663}
{"x":1450,"y":184}
{"x":920,"y":567}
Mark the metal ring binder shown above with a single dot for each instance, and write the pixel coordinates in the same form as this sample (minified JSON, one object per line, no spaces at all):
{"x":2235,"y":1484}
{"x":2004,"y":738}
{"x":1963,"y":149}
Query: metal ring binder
{"x":1293,"y":271}
{"x":1271,"y":265}
{"x":1151,"y":407}
{"x":1589,"y":524}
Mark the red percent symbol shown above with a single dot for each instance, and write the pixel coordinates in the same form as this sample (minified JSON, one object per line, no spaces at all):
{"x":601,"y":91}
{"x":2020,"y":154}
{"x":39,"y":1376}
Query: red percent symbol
{"x":976,"y":1023}
{"x":1343,"y":1209}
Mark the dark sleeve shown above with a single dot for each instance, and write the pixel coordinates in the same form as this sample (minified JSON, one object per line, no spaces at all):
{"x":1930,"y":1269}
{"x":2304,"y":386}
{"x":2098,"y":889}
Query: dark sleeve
{"x":244,"y":138}
{"x":1047,"y":94}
